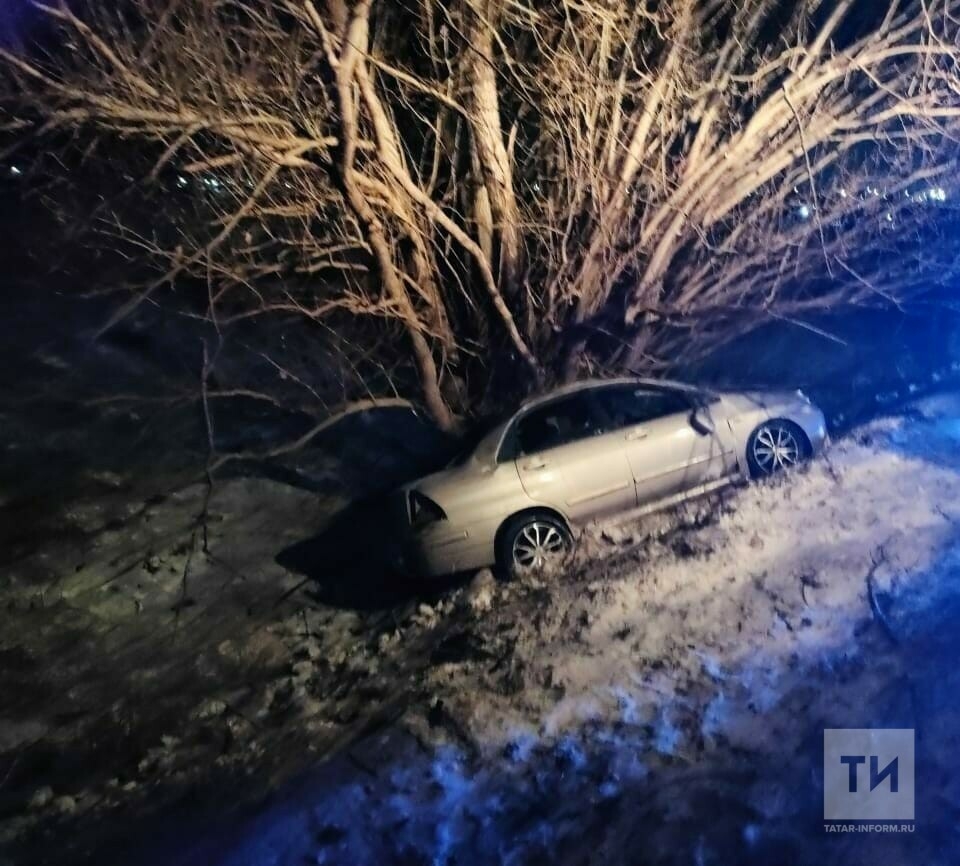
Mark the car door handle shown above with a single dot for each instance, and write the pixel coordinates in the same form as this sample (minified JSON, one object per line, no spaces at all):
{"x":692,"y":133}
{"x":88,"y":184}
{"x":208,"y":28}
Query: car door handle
{"x":635,"y":435}
{"x":533,"y":466}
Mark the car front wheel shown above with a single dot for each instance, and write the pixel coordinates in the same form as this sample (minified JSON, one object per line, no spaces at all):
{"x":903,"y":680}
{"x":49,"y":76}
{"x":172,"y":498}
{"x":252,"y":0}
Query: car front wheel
{"x":531,"y":543}
{"x":775,"y":446}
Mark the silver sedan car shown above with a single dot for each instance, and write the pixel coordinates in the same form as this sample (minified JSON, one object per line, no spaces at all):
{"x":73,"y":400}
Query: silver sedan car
{"x":589,"y":451}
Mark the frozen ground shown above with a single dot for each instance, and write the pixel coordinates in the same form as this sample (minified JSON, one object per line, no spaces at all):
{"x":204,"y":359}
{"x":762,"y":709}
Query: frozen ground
{"x":662,"y":701}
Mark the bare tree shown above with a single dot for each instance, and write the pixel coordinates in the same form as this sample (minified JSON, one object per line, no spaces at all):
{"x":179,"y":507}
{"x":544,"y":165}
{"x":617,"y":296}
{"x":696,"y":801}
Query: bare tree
{"x":464,"y":195}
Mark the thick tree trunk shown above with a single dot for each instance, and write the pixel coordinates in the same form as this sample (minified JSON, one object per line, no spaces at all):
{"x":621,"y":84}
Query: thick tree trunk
{"x":350,"y":63}
{"x":496,"y":172}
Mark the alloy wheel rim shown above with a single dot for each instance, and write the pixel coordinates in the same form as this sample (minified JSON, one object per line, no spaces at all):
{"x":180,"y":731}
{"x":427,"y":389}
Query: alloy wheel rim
{"x":774,"y":448}
{"x":537,"y":544}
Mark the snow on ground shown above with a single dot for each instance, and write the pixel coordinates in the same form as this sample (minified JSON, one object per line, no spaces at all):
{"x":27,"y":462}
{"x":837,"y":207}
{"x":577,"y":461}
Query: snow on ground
{"x":776,"y":582}
{"x":660,"y":701}
{"x":666,"y":703}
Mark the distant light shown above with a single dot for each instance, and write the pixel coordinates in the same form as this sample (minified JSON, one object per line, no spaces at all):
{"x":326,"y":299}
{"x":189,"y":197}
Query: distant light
{"x":182,"y":181}
{"x":938,"y":193}
{"x":843,"y":193}
{"x":15,"y":170}
{"x":889,"y":217}
{"x":804,"y":212}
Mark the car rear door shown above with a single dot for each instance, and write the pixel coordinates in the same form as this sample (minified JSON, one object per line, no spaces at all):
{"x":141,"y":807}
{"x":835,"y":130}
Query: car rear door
{"x":667,"y":453}
{"x":566,"y":460}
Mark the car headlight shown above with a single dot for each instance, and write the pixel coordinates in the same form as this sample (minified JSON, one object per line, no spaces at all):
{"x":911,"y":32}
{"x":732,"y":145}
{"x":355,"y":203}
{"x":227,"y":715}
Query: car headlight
{"x":423,"y":510}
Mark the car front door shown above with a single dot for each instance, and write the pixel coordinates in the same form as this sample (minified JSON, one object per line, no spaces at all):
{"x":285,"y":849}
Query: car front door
{"x":566,"y":460}
{"x":667,"y":451}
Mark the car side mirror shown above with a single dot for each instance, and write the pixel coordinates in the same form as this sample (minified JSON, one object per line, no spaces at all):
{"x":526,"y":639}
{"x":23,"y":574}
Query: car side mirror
{"x":701,"y":421}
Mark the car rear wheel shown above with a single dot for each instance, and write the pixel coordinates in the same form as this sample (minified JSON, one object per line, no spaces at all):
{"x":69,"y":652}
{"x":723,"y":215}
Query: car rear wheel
{"x":532,"y":542}
{"x":775,"y":446}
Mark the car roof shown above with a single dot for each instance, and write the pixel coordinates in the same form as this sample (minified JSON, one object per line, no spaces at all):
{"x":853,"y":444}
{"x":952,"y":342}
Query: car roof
{"x":589,"y":384}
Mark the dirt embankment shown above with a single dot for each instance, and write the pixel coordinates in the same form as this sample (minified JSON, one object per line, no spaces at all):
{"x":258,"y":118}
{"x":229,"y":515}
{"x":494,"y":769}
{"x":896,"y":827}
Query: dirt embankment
{"x":664,"y":696}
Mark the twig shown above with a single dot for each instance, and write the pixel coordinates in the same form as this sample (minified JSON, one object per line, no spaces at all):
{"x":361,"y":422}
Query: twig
{"x":11,"y":768}
{"x":186,"y":573}
{"x":879,"y":558}
{"x":211,"y":446}
{"x":810,"y":176}
{"x":948,"y":518}
{"x":285,"y":595}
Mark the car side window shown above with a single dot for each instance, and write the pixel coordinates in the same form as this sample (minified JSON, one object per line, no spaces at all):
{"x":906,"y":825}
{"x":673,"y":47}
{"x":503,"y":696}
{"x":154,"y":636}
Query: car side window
{"x":558,"y":423}
{"x":626,"y":406}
